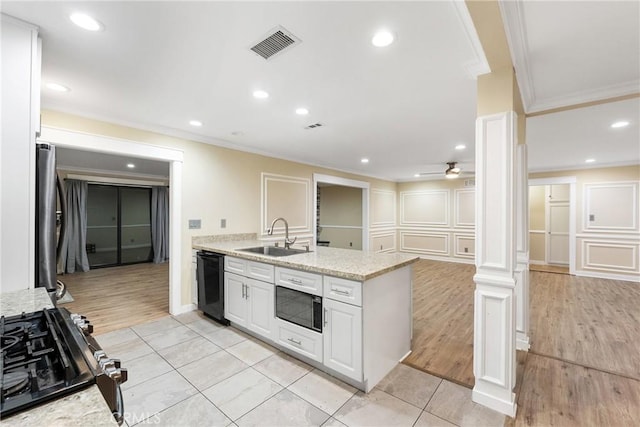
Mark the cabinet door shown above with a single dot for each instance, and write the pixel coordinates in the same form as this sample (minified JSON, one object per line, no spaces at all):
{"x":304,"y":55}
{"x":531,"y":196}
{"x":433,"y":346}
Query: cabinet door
{"x":235,"y":304}
{"x":259,"y":298}
{"x":343,"y":338}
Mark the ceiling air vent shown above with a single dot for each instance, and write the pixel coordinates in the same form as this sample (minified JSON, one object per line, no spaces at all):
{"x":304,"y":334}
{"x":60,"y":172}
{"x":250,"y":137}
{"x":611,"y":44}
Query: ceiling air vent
{"x":313,"y":126}
{"x":469,"y":182}
{"x":274,"y":42}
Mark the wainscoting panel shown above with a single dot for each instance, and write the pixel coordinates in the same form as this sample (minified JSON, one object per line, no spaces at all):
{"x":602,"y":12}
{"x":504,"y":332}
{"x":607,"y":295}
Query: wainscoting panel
{"x":465,"y":207}
{"x":465,"y":245}
{"x":425,"y":243}
{"x":288,"y":197}
{"x":612,"y":256}
{"x":611,"y":207}
{"x":383,"y":208}
{"x":425,"y":208}
{"x":383,"y":241}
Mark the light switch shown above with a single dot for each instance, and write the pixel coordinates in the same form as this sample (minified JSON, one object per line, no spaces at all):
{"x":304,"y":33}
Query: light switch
{"x":194,"y":223}
{"x":592,"y":217}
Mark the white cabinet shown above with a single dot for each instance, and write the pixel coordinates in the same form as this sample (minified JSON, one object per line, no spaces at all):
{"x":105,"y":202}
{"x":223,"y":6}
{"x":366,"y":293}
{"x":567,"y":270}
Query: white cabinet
{"x":301,"y":340}
{"x":259,"y":297}
{"x":235,"y":304}
{"x":342,"y":338}
{"x":194,"y":277}
{"x":302,"y":281}
{"x":20,"y":76}
{"x":249,"y":302}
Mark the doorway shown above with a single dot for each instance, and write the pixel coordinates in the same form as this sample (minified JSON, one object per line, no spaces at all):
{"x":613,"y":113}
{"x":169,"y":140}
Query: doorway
{"x":552,"y":225}
{"x":118,"y":225}
{"x":342,"y":212}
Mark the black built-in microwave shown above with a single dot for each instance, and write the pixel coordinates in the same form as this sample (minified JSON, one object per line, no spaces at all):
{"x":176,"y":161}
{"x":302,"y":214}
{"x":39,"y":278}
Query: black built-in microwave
{"x":300,"y":308}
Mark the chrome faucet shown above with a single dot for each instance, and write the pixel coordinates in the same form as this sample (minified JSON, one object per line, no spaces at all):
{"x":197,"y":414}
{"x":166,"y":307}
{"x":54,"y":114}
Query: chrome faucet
{"x":287,"y":242}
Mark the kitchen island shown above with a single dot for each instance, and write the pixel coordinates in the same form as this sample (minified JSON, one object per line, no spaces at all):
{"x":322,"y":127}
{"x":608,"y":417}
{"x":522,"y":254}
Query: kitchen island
{"x":355,"y":319}
{"x":82,"y":408}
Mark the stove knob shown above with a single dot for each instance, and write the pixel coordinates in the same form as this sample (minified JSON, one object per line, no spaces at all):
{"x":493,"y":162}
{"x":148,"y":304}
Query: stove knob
{"x":75,"y":316}
{"x":107,"y":365}
{"x":99,"y":354}
{"x":86,"y":327}
{"x":119,"y":375}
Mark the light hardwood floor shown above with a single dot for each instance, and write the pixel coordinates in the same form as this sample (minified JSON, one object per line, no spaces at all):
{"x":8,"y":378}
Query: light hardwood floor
{"x":443,"y":320}
{"x":118,"y":297}
{"x":583,"y":368}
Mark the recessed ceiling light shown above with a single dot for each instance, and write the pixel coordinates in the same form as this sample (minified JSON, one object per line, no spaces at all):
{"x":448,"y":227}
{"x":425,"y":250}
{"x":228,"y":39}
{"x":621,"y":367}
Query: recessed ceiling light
{"x":460,"y":147}
{"x":417,"y":175}
{"x":260,"y":94}
{"x":382,"y":38}
{"x":86,"y":22}
{"x":131,"y":165}
{"x":57,"y":87}
{"x":302,"y":111}
{"x":196,"y":123}
{"x":590,"y":160}
{"x":620,"y":124}
{"x":364,"y":160}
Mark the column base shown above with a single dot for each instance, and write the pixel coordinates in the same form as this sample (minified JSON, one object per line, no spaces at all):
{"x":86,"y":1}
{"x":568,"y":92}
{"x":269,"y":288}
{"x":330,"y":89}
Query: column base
{"x":508,"y":407}
{"x":522,"y":341}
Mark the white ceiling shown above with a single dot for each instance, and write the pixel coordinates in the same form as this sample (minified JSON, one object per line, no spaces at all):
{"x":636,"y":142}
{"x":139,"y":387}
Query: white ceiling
{"x":158,"y":65}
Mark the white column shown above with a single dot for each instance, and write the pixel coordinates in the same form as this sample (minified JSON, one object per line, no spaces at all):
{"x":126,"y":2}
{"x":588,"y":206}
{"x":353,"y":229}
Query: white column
{"x":175,"y":242}
{"x":522,"y":249}
{"x":494,"y":350}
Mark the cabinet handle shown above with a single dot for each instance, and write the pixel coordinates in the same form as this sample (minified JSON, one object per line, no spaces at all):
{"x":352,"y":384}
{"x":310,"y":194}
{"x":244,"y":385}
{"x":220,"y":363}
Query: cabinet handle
{"x":338,"y":291}
{"x":296,"y":281}
{"x":296,"y":342}
{"x":243,"y":291}
{"x":246,"y":292}
{"x":325,"y":317}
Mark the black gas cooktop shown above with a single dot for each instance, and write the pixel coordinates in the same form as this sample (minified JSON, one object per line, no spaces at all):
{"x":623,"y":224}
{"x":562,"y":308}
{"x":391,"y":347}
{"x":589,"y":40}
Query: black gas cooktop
{"x":48,"y":354}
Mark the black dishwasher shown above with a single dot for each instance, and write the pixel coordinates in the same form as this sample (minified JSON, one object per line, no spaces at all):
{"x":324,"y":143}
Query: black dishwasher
{"x":211,"y":285}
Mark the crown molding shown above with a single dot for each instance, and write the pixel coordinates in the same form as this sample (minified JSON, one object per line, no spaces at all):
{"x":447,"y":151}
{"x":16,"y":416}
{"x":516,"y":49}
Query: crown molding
{"x":479,"y":65}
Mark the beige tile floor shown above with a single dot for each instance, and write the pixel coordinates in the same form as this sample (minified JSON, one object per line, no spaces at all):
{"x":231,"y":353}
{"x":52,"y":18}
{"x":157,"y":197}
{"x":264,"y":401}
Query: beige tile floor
{"x":190,"y":371}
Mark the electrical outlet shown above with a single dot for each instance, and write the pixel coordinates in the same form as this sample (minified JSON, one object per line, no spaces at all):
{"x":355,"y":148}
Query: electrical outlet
{"x":194,"y":223}
{"x":592,"y":217}
{"x":350,"y":243}
{"x":466,"y":250}
{"x":223,"y":223}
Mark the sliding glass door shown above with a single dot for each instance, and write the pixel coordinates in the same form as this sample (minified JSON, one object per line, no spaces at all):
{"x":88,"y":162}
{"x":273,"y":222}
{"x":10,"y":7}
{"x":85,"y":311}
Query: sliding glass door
{"x":118,"y":225}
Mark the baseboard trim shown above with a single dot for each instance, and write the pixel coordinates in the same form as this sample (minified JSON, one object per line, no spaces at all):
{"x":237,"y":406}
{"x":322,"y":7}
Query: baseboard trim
{"x":443,"y":258}
{"x":185,"y":309}
{"x":611,"y":276}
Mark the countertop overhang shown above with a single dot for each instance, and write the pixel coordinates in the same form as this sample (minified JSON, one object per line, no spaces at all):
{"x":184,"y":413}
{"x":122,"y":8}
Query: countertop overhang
{"x":344,"y":263}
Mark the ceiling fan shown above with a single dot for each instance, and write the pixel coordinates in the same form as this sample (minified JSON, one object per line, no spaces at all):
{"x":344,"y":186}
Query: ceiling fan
{"x":453,"y":171}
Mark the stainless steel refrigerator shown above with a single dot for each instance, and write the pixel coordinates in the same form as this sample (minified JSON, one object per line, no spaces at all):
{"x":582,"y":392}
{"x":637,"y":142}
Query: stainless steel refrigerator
{"x":48,"y":239}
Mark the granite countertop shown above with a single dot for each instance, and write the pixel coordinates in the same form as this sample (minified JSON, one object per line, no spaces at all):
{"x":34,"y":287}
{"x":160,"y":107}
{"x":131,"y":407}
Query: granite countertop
{"x":24,"y":301}
{"x":82,"y":408}
{"x":344,"y":263}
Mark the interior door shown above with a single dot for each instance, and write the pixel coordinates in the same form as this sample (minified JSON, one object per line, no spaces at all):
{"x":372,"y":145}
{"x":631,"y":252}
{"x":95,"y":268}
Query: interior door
{"x":558,"y":224}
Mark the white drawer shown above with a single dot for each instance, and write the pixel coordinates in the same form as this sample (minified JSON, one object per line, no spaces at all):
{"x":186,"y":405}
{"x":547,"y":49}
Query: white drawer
{"x":260,"y":271}
{"x":299,"y":280}
{"x":235,"y":265}
{"x":343,"y":290}
{"x":301,"y":340}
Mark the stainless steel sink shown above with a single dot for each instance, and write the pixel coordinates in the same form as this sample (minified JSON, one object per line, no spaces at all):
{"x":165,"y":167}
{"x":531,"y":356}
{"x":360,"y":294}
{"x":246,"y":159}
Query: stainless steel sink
{"x":274,"y":251}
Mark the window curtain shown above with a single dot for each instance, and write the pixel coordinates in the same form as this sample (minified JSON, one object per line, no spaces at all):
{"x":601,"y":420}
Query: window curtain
{"x":74,"y":245}
{"x":160,"y":224}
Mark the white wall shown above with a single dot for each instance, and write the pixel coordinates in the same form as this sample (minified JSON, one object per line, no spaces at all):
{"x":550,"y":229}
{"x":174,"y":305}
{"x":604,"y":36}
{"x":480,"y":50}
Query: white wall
{"x":20,"y":104}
